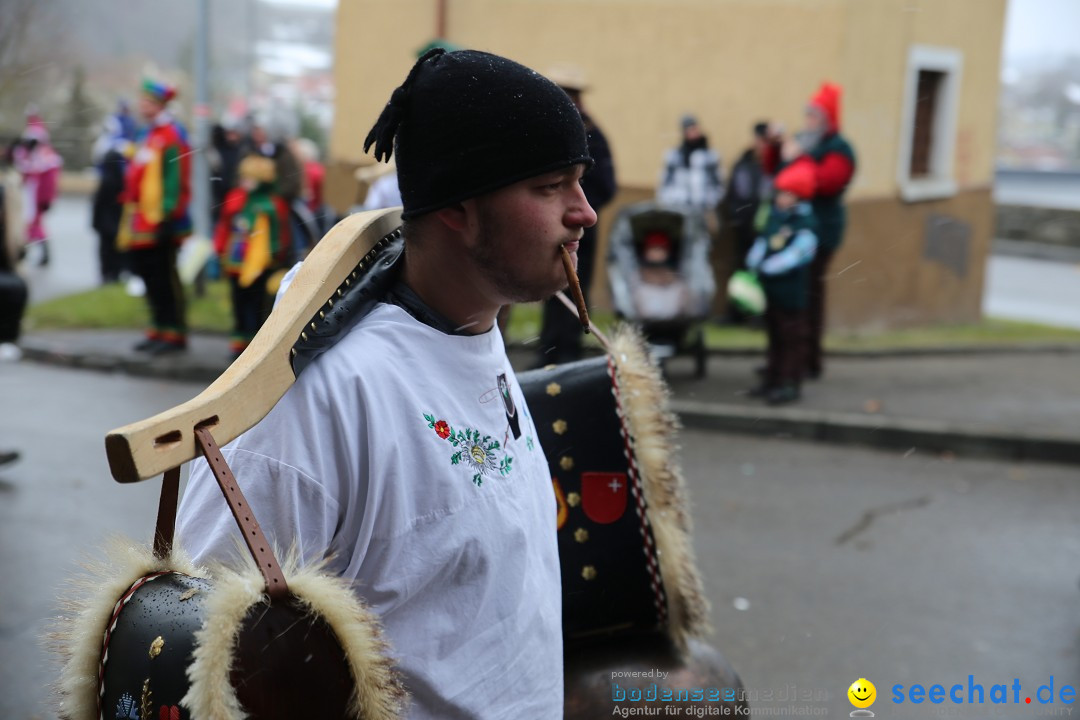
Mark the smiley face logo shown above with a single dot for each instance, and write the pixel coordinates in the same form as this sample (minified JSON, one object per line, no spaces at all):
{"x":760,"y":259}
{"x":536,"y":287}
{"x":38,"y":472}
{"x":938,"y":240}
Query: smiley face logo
{"x":862,"y":693}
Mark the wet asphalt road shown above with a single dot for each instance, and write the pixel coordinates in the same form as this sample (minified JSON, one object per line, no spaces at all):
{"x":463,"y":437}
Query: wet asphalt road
{"x":845,"y":563}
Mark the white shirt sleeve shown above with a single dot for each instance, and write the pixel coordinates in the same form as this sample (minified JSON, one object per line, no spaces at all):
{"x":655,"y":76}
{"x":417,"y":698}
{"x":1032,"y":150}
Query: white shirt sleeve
{"x":293,"y":510}
{"x":296,"y":468}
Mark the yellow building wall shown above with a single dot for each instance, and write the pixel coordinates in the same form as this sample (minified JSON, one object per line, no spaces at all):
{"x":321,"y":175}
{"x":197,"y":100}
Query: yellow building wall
{"x":731,"y":63}
{"x":873,"y":70}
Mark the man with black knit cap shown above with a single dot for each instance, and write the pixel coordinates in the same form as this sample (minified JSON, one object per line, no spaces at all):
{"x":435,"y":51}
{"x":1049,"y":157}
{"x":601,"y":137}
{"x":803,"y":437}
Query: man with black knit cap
{"x":405,"y":453}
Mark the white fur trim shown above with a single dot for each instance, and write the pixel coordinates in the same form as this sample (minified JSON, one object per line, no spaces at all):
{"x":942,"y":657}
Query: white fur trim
{"x":653,"y":428}
{"x":377,"y":695}
{"x":78,"y":633}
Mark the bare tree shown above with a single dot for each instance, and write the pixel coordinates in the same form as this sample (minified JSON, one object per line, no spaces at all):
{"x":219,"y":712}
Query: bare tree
{"x":30,"y":54}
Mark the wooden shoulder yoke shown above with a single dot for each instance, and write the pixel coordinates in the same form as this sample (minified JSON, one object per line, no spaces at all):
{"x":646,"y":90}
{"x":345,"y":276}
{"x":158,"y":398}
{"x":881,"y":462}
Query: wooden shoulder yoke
{"x":250,"y":387}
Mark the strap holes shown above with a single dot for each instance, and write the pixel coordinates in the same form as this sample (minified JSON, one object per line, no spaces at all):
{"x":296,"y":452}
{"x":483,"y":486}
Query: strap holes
{"x":207,"y":423}
{"x":170,"y":438}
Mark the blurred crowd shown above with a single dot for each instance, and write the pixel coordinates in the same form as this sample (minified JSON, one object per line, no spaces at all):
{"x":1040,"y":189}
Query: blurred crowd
{"x":267,"y":210}
{"x":783,"y":208}
{"x":780,"y":209}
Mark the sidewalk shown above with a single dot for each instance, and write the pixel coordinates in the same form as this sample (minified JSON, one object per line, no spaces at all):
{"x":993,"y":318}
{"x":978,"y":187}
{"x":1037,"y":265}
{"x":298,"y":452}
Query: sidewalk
{"x":1023,"y":405}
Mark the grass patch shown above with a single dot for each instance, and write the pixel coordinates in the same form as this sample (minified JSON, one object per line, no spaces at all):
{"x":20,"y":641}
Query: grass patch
{"x":111,"y":307}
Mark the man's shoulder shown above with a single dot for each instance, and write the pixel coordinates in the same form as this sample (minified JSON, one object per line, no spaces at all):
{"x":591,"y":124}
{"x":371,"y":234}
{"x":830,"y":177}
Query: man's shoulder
{"x":384,"y":341}
{"x":365,"y":358}
{"x":367,"y":338}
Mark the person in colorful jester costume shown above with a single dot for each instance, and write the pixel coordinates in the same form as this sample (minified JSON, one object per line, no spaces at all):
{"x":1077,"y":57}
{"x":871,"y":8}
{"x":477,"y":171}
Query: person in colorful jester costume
{"x":156,"y":196}
{"x":252,"y":239}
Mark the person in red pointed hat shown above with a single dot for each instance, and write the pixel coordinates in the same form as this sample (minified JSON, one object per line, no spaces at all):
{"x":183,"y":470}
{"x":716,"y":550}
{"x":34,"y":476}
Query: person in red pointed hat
{"x":821,"y":147}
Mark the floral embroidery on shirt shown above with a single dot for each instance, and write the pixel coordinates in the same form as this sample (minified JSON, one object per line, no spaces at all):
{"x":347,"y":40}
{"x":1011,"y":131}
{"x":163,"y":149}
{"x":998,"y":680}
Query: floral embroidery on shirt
{"x":479,"y":453}
{"x":442,"y":429}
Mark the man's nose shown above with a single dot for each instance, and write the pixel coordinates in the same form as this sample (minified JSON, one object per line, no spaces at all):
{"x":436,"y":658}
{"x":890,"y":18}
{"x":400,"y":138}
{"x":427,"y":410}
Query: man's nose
{"x":580,"y":213}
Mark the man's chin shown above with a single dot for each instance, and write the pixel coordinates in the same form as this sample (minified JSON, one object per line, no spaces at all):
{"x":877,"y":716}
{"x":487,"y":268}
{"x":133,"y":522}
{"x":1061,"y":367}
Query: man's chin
{"x":538,"y":294}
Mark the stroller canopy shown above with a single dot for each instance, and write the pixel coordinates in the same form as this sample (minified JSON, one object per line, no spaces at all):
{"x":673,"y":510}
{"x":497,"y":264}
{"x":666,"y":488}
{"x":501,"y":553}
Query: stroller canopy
{"x":649,"y":235}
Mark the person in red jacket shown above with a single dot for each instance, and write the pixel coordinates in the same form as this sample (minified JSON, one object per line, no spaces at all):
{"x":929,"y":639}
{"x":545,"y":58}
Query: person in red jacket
{"x":155,"y":222}
{"x":821,"y":146}
{"x":252,"y":239}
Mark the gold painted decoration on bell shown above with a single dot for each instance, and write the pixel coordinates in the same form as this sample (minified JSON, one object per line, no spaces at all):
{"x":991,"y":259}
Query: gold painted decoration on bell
{"x":559,"y":426}
{"x":566,"y":463}
{"x":155,"y":646}
{"x":588,"y":572}
{"x":553,"y":389}
{"x":573,"y":499}
{"x":144,"y":700}
{"x":581,"y":535}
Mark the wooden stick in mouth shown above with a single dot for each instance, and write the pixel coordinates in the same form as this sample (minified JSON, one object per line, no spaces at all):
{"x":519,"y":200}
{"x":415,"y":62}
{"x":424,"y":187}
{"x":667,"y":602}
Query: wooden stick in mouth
{"x":575,"y":289}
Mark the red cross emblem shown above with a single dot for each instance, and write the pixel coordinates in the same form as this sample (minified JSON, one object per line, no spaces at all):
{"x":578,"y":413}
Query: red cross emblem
{"x":603,"y":496}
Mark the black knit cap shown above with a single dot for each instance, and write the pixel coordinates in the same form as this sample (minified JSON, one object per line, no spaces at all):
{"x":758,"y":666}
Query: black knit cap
{"x":465,"y":123}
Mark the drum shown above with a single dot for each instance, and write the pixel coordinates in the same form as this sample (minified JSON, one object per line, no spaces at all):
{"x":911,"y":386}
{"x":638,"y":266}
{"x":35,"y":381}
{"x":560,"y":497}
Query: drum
{"x":633,"y":600}
{"x":262,"y":640}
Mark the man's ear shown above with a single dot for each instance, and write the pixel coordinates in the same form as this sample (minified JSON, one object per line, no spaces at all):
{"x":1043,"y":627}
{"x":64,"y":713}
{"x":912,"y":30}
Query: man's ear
{"x":455,"y":217}
{"x":462,"y":219}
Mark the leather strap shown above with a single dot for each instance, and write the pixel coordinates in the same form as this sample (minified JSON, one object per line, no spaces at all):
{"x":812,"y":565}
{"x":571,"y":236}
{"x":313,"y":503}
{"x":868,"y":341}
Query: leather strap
{"x":276,"y":586}
{"x":166,"y":514}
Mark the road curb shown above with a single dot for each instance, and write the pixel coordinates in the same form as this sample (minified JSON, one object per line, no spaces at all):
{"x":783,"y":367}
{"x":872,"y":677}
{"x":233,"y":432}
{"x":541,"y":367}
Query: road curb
{"x":893,"y":353}
{"x":876,"y":431}
{"x":882,"y":354}
{"x":159,"y":368}
{"x":840,"y":428}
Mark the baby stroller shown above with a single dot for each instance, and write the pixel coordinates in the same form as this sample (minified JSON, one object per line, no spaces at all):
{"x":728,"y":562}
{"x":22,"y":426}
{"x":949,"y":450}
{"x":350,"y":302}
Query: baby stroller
{"x":661,"y":278}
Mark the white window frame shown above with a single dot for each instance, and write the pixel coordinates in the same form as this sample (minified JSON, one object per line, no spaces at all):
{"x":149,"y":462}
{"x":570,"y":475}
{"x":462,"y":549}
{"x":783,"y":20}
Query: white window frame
{"x":940,"y":182}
